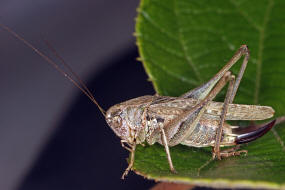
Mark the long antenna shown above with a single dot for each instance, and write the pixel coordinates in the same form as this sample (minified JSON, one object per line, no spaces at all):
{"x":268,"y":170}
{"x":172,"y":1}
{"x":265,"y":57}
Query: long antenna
{"x":68,"y":68}
{"x":84,"y":89}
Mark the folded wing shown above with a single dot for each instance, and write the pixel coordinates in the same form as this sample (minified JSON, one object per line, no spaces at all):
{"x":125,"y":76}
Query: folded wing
{"x":239,"y":111}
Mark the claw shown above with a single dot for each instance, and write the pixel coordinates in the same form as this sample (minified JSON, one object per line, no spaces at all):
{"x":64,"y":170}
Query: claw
{"x":251,"y":133}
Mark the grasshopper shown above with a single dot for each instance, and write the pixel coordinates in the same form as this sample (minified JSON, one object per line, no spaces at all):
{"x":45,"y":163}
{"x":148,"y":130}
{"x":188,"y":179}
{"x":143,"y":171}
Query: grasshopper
{"x":193,"y":119}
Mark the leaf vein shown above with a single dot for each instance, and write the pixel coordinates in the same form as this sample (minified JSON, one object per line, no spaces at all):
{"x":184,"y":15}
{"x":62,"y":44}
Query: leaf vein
{"x":192,"y":82}
{"x":259,"y":62}
{"x":154,"y":24}
{"x":260,"y":51}
{"x":184,"y":47}
{"x":278,"y":139}
{"x":163,"y":48}
{"x":246,"y":16}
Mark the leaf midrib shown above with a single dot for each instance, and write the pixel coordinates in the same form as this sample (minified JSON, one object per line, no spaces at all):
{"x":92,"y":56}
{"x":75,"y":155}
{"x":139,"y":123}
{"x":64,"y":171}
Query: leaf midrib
{"x":261,"y":49}
{"x":184,"y":47}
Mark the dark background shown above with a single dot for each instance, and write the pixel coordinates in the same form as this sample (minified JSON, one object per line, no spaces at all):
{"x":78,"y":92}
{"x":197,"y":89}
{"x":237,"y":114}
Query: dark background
{"x":52,"y":136}
{"x":83,"y":152}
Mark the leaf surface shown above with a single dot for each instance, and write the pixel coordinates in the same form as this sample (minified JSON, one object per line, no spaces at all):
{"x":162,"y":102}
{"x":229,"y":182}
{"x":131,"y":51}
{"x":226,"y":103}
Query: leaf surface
{"x":182,"y":44}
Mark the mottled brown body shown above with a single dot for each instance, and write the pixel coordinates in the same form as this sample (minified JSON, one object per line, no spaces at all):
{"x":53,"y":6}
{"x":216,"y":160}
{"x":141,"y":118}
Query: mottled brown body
{"x":147,"y":113}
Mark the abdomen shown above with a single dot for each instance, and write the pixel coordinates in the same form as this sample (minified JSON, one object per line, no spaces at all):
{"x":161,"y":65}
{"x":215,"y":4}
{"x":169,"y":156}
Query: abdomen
{"x":203,"y":135}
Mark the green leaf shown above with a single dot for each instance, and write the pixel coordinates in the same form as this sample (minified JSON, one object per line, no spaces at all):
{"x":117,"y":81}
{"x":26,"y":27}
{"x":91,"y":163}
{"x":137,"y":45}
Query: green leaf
{"x":182,"y":44}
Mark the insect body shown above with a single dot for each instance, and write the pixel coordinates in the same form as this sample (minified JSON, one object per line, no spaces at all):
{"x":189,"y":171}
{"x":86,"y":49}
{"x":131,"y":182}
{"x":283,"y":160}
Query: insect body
{"x":193,"y":119}
{"x":141,"y":117}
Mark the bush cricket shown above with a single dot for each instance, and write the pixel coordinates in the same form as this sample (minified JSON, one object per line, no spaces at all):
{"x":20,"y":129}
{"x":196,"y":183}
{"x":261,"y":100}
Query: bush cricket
{"x":193,"y":119}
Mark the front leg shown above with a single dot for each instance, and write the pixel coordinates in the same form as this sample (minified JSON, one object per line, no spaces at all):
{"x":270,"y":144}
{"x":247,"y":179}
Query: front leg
{"x":132,"y":149}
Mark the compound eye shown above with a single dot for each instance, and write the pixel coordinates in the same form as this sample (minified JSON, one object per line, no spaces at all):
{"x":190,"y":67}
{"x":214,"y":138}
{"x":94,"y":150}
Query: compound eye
{"x":117,"y":121}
